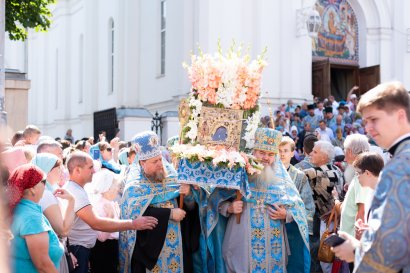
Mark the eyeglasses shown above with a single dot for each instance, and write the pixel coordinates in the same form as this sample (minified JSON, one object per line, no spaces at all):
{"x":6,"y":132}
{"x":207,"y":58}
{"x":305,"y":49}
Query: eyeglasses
{"x":109,"y":149}
{"x":43,"y":181}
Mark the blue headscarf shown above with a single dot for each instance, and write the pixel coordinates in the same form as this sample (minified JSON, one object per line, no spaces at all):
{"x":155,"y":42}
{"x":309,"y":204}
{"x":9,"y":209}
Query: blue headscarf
{"x":45,"y":161}
{"x":123,"y":157}
{"x":96,"y":155}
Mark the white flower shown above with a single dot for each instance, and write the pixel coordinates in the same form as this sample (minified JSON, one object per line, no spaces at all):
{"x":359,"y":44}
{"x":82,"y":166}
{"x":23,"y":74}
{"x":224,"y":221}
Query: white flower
{"x":252,"y":124}
{"x":196,"y":106}
{"x":193,"y":132}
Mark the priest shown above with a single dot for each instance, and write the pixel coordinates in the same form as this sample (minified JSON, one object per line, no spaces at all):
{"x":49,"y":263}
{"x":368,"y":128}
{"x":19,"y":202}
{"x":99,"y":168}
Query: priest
{"x":259,"y":242}
{"x":153,"y":193}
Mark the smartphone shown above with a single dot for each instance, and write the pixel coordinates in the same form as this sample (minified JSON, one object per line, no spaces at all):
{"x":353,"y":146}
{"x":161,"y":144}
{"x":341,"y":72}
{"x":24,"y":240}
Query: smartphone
{"x":96,"y":154}
{"x":334,"y":240}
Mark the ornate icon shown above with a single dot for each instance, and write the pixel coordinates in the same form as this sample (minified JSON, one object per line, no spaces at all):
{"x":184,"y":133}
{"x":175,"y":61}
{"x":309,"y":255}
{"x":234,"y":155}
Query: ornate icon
{"x":219,"y":126}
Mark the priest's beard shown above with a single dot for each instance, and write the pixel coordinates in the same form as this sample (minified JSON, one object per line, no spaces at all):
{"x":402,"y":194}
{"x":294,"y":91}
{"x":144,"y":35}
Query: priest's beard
{"x":157,"y":176}
{"x":265,"y":178}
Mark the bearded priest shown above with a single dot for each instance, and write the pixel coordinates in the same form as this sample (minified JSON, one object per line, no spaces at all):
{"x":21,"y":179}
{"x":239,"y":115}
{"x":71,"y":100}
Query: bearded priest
{"x":153,"y":193}
{"x":259,"y":242}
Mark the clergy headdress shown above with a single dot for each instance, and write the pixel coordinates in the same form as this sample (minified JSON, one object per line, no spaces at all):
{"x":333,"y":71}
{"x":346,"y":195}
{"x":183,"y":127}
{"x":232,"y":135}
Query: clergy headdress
{"x":146,"y":145}
{"x":267,"y":139}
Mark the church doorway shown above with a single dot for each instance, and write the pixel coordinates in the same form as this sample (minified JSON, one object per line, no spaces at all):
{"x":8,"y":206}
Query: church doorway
{"x":337,"y":79}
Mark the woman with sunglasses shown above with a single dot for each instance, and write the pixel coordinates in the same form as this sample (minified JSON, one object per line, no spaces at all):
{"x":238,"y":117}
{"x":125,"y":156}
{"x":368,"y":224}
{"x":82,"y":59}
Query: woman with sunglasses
{"x":35,"y":246}
{"x":60,"y":217}
{"x":106,"y":157}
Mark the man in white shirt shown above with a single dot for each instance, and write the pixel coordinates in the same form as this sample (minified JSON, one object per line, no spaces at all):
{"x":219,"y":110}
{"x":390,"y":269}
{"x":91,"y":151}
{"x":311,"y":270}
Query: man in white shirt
{"x":83,"y":234}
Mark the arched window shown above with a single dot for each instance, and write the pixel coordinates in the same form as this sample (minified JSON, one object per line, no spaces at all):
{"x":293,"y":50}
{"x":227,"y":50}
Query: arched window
{"x":111,"y":56}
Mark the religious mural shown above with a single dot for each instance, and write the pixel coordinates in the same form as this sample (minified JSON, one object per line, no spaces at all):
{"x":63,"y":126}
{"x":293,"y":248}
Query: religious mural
{"x":338,"y":35}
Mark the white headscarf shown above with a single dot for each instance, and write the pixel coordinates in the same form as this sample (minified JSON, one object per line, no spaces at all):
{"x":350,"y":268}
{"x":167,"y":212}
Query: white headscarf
{"x":293,"y":128}
{"x":102,"y":182}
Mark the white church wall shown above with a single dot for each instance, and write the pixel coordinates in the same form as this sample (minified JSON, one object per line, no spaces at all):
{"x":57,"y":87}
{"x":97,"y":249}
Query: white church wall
{"x":406,"y":56}
{"x":57,"y":76}
{"x":156,"y":88}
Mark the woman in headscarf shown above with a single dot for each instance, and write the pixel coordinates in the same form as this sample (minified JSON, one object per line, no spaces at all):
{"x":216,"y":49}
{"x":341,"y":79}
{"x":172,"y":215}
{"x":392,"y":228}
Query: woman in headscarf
{"x":35,"y":246}
{"x":104,"y":189}
{"x":294,"y":133}
{"x":61,"y":218}
{"x":128,"y":157}
{"x":106,"y":157}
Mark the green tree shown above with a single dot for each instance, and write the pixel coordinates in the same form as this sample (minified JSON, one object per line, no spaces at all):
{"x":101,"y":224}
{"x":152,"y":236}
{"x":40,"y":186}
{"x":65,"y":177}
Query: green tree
{"x":24,"y":14}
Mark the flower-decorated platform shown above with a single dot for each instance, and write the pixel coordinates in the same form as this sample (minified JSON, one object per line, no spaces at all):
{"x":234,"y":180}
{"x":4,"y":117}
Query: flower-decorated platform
{"x":205,"y":174}
{"x":219,"y":119}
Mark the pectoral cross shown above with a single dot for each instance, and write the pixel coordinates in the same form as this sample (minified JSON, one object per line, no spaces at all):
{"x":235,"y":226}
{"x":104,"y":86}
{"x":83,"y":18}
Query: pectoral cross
{"x":260,"y":206}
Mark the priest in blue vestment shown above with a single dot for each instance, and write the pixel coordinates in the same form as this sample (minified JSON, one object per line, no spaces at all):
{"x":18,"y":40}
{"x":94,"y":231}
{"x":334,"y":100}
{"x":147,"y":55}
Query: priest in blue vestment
{"x":154,"y":193}
{"x":259,"y":243}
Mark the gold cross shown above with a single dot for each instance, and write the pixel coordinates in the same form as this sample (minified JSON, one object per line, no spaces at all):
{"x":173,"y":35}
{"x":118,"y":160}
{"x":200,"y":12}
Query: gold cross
{"x":172,"y":236}
{"x":258,"y":233}
{"x":276,"y":232}
{"x":174,"y":266}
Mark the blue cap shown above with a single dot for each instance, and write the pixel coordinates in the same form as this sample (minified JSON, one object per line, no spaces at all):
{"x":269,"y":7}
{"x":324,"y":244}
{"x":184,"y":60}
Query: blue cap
{"x":147,"y":145}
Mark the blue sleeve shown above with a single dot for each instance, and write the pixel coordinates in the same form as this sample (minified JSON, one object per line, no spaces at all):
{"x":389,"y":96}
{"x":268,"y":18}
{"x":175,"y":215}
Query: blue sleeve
{"x":386,"y":247}
{"x":307,"y":197}
{"x":34,"y":224}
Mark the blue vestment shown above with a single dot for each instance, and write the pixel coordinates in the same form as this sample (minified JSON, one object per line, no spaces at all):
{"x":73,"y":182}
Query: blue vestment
{"x":385,"y":247}
{"x":138,"y":195}
{"x":265,"y":239}
{"x":209,"y":258}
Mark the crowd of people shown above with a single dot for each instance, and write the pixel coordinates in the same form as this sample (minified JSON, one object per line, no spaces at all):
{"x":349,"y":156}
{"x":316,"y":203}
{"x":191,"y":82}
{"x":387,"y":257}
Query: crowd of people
{"x":116,"y":206}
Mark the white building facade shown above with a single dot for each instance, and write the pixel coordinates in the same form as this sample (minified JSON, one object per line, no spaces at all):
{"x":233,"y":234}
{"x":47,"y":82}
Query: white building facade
{"x":128,"y":54}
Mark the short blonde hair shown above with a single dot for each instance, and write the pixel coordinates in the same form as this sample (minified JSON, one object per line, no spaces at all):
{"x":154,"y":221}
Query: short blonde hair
{"x":388,"y":97}
{"x":31,"y":130}
{"x":288,"y":140}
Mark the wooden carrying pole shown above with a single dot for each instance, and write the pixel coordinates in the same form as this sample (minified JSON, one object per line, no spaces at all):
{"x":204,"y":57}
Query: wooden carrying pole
{"x":181,"y":201}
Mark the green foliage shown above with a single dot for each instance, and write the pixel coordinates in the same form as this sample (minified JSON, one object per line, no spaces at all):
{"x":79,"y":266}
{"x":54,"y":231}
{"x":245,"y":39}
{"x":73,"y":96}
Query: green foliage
{"x":184,"y":138}
{"x":24,"y":14}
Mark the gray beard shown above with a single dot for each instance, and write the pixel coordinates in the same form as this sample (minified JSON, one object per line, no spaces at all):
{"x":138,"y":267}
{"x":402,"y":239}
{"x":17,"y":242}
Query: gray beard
{"x":265,"y":178}
{"x":158,"y":176}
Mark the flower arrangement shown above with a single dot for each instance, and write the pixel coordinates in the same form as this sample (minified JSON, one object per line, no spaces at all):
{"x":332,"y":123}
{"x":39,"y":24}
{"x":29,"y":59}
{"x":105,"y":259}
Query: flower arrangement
{"x":229,"y":81}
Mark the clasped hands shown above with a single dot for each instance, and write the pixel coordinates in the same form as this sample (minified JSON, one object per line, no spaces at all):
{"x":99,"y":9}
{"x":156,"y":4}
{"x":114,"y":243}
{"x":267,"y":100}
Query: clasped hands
{"x":276,"y":213}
